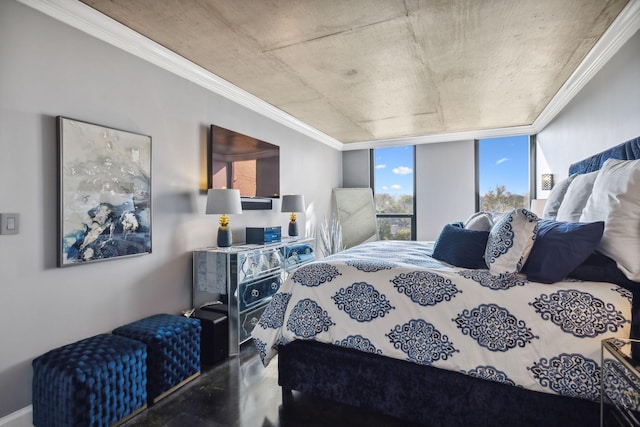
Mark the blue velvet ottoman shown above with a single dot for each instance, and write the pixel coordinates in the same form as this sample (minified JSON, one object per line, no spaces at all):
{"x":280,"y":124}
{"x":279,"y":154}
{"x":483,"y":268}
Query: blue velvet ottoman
{"x":173,"y":351}
{"x":98,"y":381}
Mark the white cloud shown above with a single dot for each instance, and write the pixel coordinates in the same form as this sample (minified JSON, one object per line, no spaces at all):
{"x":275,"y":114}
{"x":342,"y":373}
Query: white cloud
{"x":380,"y":166}
{"x":402,"y":170}
{"x":396,"y":187}
{"x":502,"y":160}
{"x":384,"y":187}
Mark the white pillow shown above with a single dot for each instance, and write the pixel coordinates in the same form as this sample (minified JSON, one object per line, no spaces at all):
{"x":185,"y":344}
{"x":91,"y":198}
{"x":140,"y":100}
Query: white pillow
{"x":576,"y":197}
{"x":480,"y":221}
{"x":510,"y":241}
{"x":616,"y":201}
{"x":556,"y":195}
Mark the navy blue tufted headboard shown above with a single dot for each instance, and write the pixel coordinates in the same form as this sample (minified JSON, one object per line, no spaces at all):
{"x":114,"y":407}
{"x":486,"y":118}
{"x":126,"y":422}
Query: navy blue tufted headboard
{"x":629,"y":150}
{"x":598,"y":267}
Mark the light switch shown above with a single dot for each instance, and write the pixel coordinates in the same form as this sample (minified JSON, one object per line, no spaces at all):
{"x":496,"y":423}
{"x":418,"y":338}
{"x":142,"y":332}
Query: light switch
{"x":9,"y":223}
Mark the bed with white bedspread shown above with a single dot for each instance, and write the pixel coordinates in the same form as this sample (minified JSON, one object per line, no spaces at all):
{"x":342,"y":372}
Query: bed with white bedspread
{"x":443,"y":335}
{"x":392,"y":298}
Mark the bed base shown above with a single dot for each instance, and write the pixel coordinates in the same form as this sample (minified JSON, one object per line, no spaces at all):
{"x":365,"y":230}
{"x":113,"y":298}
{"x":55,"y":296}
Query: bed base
{"x":421,"y":394}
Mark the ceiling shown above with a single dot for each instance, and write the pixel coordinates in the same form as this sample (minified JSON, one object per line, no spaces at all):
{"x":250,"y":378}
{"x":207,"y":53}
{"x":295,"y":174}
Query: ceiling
{"x":382,"y":70}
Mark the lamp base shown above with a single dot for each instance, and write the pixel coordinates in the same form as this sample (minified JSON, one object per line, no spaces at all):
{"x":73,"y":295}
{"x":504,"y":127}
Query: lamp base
{"x":293,"y":229}
{"x":224,"y":237}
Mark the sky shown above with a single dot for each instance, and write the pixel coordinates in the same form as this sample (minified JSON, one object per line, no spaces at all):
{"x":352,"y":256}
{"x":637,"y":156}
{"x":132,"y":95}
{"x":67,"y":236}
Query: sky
{"x":503,"y":161}
{"x":394,"y":170}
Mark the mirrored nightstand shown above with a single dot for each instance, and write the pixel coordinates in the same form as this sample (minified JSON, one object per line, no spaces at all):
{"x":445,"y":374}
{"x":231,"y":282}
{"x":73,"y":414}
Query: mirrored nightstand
{"x":620,"y":381}
{"x":246,"y":276}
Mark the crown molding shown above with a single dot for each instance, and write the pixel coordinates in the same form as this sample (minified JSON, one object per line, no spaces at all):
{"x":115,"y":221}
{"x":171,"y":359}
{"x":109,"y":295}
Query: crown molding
{"x":84,"y":18}
{"x":441,"y":137}
{"x":88,"y":20}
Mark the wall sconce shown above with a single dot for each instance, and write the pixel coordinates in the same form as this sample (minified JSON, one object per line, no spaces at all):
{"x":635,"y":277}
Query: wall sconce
{"x":224,"y":202}
{"x":293,"y":203}
{"x":547,"y":181}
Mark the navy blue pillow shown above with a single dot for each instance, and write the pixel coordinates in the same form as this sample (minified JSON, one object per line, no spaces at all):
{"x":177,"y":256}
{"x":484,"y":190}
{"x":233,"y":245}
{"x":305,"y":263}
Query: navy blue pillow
{"x":560,"y":247}
{"x":461,"y":247}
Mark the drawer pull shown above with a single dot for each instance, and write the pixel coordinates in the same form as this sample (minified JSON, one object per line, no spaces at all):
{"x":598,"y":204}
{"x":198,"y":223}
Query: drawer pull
{"x":274,"y":285}
{"x":255,"y":293}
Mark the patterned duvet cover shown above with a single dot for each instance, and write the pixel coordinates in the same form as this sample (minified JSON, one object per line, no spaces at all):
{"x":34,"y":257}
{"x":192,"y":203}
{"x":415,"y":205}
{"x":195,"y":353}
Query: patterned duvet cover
{"x":392,"y":298}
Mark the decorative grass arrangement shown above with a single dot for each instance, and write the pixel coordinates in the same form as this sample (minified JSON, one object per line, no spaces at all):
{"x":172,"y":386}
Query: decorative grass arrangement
{"x":331,"y":236}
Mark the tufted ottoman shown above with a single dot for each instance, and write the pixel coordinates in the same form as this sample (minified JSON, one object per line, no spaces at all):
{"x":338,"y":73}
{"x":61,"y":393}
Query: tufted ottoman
{"x":98,"y":381}
{"x":173,"y":351}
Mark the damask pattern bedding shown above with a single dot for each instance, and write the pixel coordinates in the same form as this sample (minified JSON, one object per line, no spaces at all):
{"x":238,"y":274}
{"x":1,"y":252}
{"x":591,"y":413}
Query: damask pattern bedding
{"x":392,"y":298}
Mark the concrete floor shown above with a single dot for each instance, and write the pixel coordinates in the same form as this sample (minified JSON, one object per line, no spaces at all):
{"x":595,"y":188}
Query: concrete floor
{"x":240,"y":392}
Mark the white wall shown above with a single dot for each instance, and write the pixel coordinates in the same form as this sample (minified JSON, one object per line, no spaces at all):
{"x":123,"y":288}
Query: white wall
{"x":445,"y":186}
{"x":356,"y":169}
{"x":445,"y":183}
{"x":49,"y":69}
{"x":605,"y":113}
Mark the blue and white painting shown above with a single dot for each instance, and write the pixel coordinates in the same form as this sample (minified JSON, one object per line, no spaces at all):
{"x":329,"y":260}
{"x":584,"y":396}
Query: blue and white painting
{"x":105,"y":185}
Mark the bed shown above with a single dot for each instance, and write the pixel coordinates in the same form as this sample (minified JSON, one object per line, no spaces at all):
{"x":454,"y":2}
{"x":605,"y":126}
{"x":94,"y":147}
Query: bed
{"x":430,"y":333}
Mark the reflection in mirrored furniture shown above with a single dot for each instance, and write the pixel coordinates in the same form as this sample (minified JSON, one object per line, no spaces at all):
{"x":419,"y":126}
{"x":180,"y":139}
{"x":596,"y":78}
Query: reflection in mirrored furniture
{"x":356,"y":214}
{"x":620,"y":381}
{"x":245,"y":277}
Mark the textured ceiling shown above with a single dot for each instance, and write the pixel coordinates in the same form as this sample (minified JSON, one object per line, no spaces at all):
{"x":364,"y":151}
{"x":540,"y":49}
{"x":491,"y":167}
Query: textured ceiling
{"x":371,"y":70}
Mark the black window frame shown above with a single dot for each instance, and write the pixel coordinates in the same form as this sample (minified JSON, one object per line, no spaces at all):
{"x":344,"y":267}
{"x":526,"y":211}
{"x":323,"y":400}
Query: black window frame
{"x":412,"y":216}
{"x":533,"y":165}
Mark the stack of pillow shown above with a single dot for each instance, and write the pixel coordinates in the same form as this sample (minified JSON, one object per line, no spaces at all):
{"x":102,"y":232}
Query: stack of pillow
{"x":616,"y":201}
{"x":597,"y":211}
{"x":520,"y":242}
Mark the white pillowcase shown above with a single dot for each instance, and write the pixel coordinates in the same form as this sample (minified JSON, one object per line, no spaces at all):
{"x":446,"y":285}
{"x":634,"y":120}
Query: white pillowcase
{"x":575,"y":199}
{"x":555,"y":198}
{"x":510,"y":241}
{"x":616,"y":201}
{"x":480,"y":221}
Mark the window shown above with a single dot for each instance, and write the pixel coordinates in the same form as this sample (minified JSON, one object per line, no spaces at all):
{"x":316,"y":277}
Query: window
{"x":393,"y":182}
{"x":503,"y":173}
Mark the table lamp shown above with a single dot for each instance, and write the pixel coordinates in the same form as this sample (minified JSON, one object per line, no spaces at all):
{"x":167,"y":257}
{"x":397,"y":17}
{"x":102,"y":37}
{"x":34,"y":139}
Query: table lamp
{"x":537,"y":206}
{"x":224,"y":202}
{"x":293,"y":203}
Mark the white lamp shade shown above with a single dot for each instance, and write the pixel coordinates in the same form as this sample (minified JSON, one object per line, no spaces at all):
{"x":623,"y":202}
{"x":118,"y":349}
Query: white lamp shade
{"x":223,"y":202}
{"x":292,"y":203}
{"x":537,"y":206}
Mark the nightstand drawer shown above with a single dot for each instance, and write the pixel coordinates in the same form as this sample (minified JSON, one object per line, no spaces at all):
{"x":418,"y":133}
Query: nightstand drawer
{"x":254,"y":292}
{"x":248,"y":321}
{"x":259,"y":263}
{"x":298,"y":254}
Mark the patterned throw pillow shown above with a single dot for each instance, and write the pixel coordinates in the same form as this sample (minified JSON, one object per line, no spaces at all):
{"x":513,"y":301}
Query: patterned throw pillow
{"x":510,"y":241}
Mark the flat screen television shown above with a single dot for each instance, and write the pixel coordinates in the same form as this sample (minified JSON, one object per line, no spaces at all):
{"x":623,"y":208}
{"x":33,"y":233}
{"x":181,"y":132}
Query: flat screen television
{"x":245,"y":163}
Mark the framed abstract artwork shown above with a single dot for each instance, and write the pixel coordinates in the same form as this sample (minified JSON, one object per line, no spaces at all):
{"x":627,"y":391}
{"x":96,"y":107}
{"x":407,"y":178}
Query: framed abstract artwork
{"x":104,"y":186}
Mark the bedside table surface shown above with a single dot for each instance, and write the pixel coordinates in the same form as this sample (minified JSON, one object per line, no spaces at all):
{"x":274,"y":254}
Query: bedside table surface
{"x":242,"y":247}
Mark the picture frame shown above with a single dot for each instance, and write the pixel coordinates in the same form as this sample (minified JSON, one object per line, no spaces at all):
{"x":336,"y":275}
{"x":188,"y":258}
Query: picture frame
{"x":104,"y":192}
